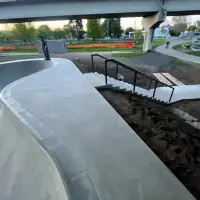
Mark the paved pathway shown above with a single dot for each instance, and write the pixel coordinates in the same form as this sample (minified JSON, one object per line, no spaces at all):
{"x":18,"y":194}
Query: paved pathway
{"x":177,"y":54}
{"x":68,"y":53}
{"x":19,"y":53}
{"x":149,"y":60}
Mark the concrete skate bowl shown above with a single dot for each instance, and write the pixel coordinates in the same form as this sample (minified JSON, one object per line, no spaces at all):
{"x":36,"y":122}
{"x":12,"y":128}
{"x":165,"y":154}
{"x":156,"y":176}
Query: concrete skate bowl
{"x":26,"y":171}
{"x":12,"y":71}
{"x":61,"y":140}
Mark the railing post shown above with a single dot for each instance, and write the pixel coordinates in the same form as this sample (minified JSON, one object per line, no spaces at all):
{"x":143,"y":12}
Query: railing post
{"x":117,"y":66}
{"x":106,"y":73}
{"x":155,"y":89}
{"x":92,"y":63}
{"x":150,"y":84}
{"x":171,"y":95}
{"x":134,"y":82}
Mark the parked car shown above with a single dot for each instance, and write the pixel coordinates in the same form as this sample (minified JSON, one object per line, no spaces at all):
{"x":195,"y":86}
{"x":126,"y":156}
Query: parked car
{"x":107,"y":38}
{"x":125,"y":37}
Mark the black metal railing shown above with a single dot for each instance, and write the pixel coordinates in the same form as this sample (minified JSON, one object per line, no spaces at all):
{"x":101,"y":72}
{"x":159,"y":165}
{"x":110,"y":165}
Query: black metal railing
{"x":136,"y":72}
{"x":135,"y":76}
{"x":92,"y":58}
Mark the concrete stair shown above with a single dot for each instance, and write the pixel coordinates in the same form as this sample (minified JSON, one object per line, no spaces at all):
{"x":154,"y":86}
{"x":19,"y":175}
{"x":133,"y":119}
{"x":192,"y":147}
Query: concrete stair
{"x":98,"y":80}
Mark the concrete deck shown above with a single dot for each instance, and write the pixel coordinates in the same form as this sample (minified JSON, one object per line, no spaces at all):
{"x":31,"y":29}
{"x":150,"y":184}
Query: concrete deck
{"x":60,"y":139}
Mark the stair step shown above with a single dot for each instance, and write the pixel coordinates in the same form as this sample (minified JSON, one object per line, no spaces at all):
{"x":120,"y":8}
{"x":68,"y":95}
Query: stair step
{"x":122,"y":90}
{"x":128,"y":88}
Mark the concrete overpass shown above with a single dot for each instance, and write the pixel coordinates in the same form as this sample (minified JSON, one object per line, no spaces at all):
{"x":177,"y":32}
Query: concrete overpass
{"x":152,"y":10}
{"x":31,"y":10}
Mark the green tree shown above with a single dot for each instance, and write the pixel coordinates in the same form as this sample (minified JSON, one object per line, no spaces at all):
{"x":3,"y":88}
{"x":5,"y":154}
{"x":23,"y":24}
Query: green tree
{"x":138,"y":34}
{"x":7,"y":36}
{"x":69,"y":30}
{"x":129,"y":29}
{"x":112,"y":27}
{"x":192,"y":28}
{"x":197,"y":24}
{"x":180,"y":19}
{"x":58,"y":34}
{"x":66,"y":30}
{"x":163,"y":30}
{"x":76,"y":26}
{"x":178,"y":28}
{"x":44,"y":31}
{"x":138,"y":37}
{"x":2,"y":37}
{"x":24,"y":31}
{"x":94,"y":28}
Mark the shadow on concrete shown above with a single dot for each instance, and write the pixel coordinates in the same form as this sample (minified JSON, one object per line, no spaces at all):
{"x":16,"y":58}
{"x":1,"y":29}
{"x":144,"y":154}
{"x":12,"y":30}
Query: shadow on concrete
{"x":20,"y":69}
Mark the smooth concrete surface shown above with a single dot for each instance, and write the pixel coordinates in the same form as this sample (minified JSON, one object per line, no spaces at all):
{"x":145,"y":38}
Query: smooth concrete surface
{"x":95,"y":80}
{"x":26,"y":170}
{"x":14,"y":70}
{"x":150,"y":23}
{"x":148,"y":38}
{"x":60,"y":139}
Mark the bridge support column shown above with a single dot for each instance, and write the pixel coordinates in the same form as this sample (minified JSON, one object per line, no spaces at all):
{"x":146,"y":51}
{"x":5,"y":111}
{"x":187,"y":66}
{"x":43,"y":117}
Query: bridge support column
{"x":150,"y":23}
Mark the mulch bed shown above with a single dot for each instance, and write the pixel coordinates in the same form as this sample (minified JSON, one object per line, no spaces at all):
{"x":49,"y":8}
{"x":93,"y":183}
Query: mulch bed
{"x":175,"y":142}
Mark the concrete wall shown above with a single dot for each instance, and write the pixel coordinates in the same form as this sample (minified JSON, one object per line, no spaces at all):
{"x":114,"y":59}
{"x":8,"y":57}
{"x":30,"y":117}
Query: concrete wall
{"x":26,"y":170}
{"x":54,"y":46}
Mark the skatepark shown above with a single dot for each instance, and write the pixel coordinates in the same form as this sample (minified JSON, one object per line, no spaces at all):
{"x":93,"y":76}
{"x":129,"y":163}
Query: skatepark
{"x":60,"y":139}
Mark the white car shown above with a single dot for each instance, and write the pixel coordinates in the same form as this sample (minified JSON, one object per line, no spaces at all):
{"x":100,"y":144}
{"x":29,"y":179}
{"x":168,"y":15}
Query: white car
{"x":107,"y":38}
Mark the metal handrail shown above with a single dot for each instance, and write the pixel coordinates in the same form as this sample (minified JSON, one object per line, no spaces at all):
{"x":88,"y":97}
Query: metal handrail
{"x":135,"y":77}
{"x":92,"y":58}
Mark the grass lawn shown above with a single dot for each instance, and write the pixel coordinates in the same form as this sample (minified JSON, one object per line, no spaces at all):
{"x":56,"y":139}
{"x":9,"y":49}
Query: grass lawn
{"x":19,"y":51}
{"x":179,"y":62}
{"x":138,"y":47}
{"x":137,"y":51}
{"x":178,"y":46}
{"x":99,"y":49}
{"x":97,"y":41}
{"x":155,"y":43}
{"x":129,"y":55}
{"x":187,"y":51}
{"x":158,"y":42}
{"x":194,"y":53}
{"x":71,"y":50}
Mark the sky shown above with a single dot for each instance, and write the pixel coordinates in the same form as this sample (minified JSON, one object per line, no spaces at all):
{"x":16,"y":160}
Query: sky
{"x":134,"y":22}
{"x":125,"y":23}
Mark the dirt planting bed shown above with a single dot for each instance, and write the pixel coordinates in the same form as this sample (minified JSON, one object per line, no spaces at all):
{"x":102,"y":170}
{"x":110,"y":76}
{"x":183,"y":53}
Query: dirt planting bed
{"x":175,"y":142}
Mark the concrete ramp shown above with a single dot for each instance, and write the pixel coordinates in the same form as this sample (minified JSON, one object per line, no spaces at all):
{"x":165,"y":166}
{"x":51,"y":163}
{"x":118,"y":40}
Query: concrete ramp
{"x":26,"y":170}
{"x":60,"y":140}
